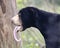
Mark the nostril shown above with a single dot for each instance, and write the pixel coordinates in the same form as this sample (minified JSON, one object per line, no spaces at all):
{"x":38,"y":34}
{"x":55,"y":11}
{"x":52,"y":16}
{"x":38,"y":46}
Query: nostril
{"x":12,"y":21}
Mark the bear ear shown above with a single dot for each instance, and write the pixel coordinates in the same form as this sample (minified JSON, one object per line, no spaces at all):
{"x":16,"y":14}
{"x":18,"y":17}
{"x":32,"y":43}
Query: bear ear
{"x":32,"y":9}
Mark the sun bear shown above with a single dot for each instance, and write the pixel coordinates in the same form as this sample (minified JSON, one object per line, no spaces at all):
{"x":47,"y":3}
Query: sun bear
{"x":48,"y":23}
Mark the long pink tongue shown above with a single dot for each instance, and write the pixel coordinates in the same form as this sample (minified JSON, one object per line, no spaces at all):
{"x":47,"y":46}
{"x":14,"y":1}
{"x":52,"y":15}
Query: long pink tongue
{"x":15,"y":33}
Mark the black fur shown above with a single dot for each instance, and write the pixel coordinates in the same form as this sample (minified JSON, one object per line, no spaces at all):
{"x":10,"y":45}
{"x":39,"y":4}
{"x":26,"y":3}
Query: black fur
{"x":48,"y":23}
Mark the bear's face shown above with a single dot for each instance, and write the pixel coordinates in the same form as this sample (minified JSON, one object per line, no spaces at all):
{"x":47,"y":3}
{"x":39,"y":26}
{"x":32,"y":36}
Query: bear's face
{"x":24,"y":18}
{"x":16,"y":20}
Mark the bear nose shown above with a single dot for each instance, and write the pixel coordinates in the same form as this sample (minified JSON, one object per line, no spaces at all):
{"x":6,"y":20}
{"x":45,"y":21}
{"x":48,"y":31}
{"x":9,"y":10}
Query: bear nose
{"x":12,"y":20}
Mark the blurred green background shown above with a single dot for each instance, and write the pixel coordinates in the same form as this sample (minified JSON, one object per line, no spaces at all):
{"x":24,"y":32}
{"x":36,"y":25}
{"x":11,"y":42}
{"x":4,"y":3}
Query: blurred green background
{"x":31,"y":37}
{"x":47,"y":5}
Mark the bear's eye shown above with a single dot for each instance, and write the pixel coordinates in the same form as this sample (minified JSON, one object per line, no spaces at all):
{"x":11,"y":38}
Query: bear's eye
{"x":19,"y":15}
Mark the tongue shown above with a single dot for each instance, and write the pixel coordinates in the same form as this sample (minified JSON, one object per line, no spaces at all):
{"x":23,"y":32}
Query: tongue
{"x":16,"y":29}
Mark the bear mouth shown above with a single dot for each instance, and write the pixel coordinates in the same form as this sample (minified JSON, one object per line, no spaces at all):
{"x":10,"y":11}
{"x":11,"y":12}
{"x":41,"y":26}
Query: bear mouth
{"x":18,"y":28}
